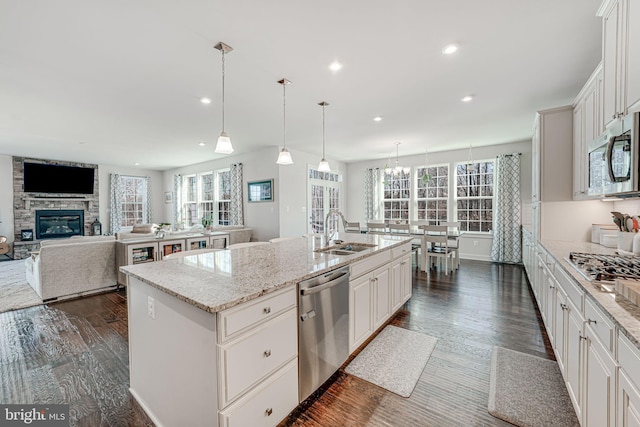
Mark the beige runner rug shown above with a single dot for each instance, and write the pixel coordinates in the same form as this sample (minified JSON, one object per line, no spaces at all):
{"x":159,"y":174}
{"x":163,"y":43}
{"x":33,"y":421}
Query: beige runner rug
{"x":15,"y":292}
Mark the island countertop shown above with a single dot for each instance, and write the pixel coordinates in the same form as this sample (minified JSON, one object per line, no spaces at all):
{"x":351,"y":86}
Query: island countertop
{"x":218,"y":280}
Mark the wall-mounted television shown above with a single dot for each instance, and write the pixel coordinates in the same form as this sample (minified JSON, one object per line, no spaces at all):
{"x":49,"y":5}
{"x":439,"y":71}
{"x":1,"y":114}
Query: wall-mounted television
{"x":47,"y":178}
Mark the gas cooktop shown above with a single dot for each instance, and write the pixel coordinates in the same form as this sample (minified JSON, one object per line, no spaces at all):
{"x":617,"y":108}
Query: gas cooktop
{"x":606,"y":268}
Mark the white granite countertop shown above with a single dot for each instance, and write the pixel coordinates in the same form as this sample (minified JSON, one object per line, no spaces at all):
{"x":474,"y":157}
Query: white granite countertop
{"x":620,"y":310}
{"x":218,"y":280}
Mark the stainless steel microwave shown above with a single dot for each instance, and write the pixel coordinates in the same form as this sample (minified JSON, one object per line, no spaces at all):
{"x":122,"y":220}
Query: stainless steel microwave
{"x":613,"y":160}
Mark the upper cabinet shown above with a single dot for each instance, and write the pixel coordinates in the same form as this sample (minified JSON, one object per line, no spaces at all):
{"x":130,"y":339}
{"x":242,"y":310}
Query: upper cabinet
{"x":620,"y":58}
{"x":587,"y":125}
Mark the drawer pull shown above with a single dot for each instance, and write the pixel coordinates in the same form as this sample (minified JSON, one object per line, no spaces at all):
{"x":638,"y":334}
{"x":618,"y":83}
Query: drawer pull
{"x":583,"y":337}
{"x":551,"y":286}
{"x":564,"y":306}
{"x":268,"y":412}
{"x":267,"y":353}
{"x":266,"y":310}
{"x":590,"y":321}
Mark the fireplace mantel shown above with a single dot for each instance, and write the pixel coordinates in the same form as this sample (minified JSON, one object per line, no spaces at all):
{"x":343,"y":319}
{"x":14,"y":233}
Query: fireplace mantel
{"x":28,"y":200}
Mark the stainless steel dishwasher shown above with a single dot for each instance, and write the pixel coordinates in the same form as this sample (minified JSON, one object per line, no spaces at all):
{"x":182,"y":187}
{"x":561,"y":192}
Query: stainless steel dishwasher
{"x":323,"y":328}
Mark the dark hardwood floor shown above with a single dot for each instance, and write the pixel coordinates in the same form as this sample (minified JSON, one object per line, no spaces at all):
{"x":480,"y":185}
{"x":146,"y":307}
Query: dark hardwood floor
{"x":76,"y":352}
{"x":480,"y":306}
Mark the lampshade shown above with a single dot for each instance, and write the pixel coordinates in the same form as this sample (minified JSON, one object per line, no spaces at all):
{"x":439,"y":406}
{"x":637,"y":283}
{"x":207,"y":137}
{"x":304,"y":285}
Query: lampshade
{"x":284,"y":158}
{"x":224,"y":144}
{"x":323,"y":166}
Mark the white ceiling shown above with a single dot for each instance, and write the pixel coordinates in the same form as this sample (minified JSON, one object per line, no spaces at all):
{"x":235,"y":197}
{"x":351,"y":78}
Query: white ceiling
{"x":119,"y":81}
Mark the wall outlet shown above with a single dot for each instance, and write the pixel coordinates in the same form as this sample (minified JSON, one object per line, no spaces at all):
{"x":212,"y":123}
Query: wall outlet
{"x":151,"y":307}
{"x":475,"y":243}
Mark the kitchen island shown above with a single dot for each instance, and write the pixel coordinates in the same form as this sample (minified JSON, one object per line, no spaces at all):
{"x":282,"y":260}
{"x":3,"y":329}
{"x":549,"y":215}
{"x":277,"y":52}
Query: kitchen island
{"x":213,"y":337}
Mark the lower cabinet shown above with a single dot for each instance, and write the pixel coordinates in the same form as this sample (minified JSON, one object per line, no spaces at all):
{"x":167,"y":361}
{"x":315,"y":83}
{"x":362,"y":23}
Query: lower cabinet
{"x":573,"y":368}
{"x":599,"y":383}
{"x":360,"y":313}
{"x":381,"y":282}
{"x":629,"y":401}
{"x":401,"y":281}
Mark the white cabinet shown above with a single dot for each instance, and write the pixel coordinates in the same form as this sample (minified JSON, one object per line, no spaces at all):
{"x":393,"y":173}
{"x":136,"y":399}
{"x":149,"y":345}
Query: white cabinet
{"x":587,"y":125}
{"x":360,"y":313}
{"x":381,"y":283}
{"x":628,"y":393}
{"x":574,"y":372}
{"x":620,"y":58}
{"x":561,"y":324}
{"x":401,"y":281}
{"x":599,"y":408}
{"x":171,"y":246}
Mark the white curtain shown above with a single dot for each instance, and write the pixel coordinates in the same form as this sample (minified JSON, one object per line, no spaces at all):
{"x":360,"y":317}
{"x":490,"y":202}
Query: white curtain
{"x":371,"y":194}
{"x":177,"y":218}
{"x":507,"y":242}
{"x":117,"y":195}
{"x":236,"y":207}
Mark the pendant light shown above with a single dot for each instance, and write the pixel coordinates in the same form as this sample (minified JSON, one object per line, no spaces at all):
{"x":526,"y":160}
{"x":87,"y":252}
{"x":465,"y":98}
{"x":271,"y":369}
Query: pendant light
{"x":284,"y":158}
{"x":323,"y":166}
{"x":398,"y":168}
{"x":224,"y":142}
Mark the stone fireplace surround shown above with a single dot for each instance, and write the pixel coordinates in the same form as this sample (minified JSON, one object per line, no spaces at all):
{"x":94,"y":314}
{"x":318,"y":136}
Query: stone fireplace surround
{"x":25,"y":205}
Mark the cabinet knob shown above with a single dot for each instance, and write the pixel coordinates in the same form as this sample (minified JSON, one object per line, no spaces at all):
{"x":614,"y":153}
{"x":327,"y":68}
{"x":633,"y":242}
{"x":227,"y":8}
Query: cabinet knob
{"x":551,"y":286}
{"x":268,"y":412}
{"x":266,"y":310}
{"x":563,"y":307}
{"x":583,"y":337}
{"x":267,"y":353}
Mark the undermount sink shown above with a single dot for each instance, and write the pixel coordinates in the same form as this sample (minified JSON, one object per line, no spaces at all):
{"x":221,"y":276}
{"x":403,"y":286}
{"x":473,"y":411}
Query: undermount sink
{"x":346,"y":248}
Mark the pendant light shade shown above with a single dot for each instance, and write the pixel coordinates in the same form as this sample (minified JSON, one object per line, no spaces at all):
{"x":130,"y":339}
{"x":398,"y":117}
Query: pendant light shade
{"x":323,"y":166}
{"x":224,"y":142}
{"x":284,"y":158}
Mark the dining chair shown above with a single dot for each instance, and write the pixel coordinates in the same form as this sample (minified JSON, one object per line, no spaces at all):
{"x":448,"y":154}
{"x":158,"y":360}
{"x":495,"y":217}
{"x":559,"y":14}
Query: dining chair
{"x":453,"y":233}
{"x":352,"y":227}
{"x":183,"y":254}
{"x":376,"y":228}
{"x":436,"y":245}
{"x":404,"y":229}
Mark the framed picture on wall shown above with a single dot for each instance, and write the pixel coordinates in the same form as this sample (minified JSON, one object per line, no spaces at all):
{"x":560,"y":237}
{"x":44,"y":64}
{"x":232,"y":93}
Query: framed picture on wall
{"x":260,"y":191}
{"x":168,"y":196}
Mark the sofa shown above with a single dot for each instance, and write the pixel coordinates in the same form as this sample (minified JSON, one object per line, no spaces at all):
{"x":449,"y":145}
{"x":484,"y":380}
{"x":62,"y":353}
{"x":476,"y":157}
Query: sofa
{"x":237,"y":233}
{"x":65,"y":268}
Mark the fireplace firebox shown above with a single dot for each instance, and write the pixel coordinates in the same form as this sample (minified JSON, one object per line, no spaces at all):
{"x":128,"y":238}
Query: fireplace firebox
{"x":53,"y":224}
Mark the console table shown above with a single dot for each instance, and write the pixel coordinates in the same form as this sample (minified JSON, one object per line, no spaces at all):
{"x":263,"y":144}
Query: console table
{"x":139,"y":251}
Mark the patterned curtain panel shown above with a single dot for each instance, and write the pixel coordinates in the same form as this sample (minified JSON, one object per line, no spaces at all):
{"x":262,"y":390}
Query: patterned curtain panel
{"x":147,"y":211}
{"x":177,"y":217}
{"x":237,"y":212}
{"x":371,"y":193}
{"x":507,"y":246}
{"x":115,"y":205}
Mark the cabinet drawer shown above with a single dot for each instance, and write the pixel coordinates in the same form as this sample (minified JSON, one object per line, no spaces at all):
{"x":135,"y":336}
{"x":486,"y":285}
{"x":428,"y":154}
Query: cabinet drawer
{"x":370,"y":263}
{"x":629,"y":359}
{"x":244,"y":316}
{"x":267,"y":404}
{"x":571,"y":289}
{"x":400,"y":250}
{"x":254,"y":356}
{"x":600,"y":325}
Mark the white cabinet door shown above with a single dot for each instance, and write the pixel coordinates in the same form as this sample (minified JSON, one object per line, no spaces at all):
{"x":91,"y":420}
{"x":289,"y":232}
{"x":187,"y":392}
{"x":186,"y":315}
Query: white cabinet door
{"x":574,"y":353}
{"x":396,"y":285}
{"x":599,"y":384}
{"x":382,"y":295}
{"x":632,"y":41}
{"x":361,"y":319}
{"x":611,"y":63}
{"x":407,"y":278}
{"x":628,"y":401}
{"x":579,"y":156}
{"x":550,"y":304}
{"x":560,"y":327}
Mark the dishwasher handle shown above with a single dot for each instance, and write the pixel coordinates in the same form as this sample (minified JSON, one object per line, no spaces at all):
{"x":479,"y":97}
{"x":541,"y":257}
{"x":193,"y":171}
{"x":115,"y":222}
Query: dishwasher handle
{"x":330,"y":284}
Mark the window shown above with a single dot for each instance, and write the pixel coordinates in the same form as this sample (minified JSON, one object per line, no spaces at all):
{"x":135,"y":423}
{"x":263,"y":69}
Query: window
{"x":324,"y":194}
{"x":432,"y":195}
{"x":206,"y":195}
{"x":396,"y":195}
{"x":474,"y":196}
{"x":134,"y":201}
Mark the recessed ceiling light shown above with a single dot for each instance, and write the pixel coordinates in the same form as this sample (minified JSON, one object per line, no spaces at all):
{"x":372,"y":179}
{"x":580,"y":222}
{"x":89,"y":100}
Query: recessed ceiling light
{"x":450,"y":49}
{"x":205,"y":100}
{"x":467,"y":98}
{"x":377,"y":119}
{"x":202,"y":144}
{"x":335,"y":66}
{"x":137,"y":163}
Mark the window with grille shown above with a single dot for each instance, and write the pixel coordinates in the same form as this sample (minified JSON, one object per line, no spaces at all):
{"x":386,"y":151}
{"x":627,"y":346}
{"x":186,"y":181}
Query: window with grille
{"x":396,"y":195}
{"x":474,"y":196}
{"x":432,"y":193}
{"x":324,"y":195}
{"x":206,"y":195}
{"x":134,"y":200}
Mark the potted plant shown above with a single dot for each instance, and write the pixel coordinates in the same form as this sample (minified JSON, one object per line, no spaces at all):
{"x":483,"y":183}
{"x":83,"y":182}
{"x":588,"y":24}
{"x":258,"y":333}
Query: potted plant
{"x":207,"y":222}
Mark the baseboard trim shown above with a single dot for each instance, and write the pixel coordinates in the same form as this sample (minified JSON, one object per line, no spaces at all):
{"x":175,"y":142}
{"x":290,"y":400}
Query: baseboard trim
{"x":475,"y":257}
{"x":144,"y":407}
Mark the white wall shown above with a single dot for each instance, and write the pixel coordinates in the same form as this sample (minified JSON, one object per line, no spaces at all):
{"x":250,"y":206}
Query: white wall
{"x":472,"y":245}
{"x":283,"y":216}
{"x":6,"y":197}
{"x":104,"y":185}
